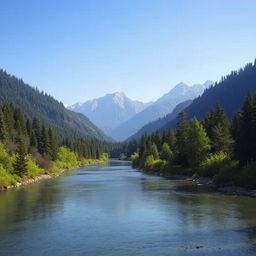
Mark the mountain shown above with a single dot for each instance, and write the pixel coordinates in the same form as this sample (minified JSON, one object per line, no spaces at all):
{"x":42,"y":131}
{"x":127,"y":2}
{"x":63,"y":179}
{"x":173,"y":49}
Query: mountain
{"x":53,"y":113}
{"x":159,"y":123}
{"x":230,"y":93}
{"x":163,"y":106}
{"x":109,"y":111}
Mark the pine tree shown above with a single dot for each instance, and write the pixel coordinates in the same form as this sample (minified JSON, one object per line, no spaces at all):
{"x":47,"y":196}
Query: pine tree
{"x":236,"y":133}
{"x":45,"y":144}
{"x":33,"y":140}
{"x":181,"y":139}
{"x":3,"y":130}
{"x":217,"y":127}
{"x":169,"y":138}
{"x":166,"y":153}
{"x":247,"y":143}
{"x":53,"y":145}
{"x":197,"y":143}
{"x":20,"y":164}
{"x":221,"y":139}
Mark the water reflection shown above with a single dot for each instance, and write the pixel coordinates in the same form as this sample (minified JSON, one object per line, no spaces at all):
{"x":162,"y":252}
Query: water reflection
{"x":115,"y":210}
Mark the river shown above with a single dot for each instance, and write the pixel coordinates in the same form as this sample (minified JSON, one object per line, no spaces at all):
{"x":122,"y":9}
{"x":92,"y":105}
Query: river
{"x":115,"y":210}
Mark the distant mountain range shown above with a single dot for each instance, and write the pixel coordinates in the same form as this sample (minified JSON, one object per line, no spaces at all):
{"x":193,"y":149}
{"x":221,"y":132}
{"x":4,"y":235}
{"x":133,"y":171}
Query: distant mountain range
{"x":52,"y":112}
{"x":110,"y":111}
{"x":122,"y":117}
{"x":163,"y":106}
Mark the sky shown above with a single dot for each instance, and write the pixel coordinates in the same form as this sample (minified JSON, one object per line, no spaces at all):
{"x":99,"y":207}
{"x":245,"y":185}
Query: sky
{"x":77,"y":50}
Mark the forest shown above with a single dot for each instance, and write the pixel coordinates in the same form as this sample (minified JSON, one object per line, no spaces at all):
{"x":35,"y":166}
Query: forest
{"x":29,"y":148}
{"x":213,"y":147}
{"x":35,"y":103}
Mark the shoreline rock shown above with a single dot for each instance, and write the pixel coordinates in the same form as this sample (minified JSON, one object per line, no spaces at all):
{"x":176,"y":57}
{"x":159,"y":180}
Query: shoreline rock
{"x":227,"y":189}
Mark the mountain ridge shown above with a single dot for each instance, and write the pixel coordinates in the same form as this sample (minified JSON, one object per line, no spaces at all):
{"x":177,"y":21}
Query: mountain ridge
{"x":236,"y":85}
{"x":38,"y":104}
{"x":161,"y":107}
{"x":119,"y":109}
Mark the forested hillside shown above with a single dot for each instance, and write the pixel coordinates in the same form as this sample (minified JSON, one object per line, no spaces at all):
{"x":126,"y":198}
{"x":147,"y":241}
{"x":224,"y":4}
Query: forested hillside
{"x":159,"y":123}
{"x":212,"y":148}
{"x":29,"y":148}
{"x":44,"y":107}
{"x":229,"y":93}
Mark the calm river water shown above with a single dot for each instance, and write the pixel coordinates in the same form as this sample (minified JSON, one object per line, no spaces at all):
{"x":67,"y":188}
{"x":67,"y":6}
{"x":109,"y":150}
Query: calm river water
{"x":115,"y":210}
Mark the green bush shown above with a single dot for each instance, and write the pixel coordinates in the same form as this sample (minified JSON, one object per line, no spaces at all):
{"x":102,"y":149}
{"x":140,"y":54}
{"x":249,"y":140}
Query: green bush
{"x":247,"y":176}
{"x":217,"y":164}
{"x":66,"y":158}
{"x":149,"y":161}
{"x":135,"y":159}
{"x":6,"y":178}
{"x":104,"y":157}
{"x":6,"y":160}
{"x":159,"y":165}
{"x":32,"y":168}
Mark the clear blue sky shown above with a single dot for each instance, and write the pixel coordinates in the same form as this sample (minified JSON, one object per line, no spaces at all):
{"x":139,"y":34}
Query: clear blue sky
{"x":81,"y":49}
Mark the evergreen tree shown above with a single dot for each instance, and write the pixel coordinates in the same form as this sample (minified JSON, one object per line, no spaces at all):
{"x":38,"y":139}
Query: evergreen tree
{"x":217,"y":127}
{"x":28,"y":127}
{"x":236,"y":133}
{"x":169,"y":137}
{"x":197,"y":143}
{"x":181,"y":139}
{"x":53,"y":145}
{"x":45,"y":144}
{"x":33,"y":140}
{"x":20,"y":164}
{"x":247,"y":142}
{"x":166,"y":153}
{"x":221,"y":139}
{"x":3,"y":130}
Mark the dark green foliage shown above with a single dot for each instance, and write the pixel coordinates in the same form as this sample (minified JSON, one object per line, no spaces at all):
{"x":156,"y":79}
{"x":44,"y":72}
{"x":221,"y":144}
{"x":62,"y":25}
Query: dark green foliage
{"x":20,"y":164}
{"x":192,"y":154}
{"x":230,"y":93}
{"x":53,"y":145}
{"x":197,"y":144}
{"x":44,"y":142}
{"x":3,"y":129}
{"x":217,"y":127}
{"x":166,"y":153}
{"x":169,"y":138}
{"x":51,"y":112}
{"x":181,"y":137}
{"x":244,"y":130}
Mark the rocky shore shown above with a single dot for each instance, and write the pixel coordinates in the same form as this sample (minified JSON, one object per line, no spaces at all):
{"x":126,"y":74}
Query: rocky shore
{"x":38,"y":178}
{"x":228,"y":188}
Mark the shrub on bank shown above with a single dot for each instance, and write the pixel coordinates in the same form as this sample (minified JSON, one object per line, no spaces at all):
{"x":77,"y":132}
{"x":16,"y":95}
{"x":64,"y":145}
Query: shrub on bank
{"x":216,"y":164}
{"x":247,"y":175}
{"x":6,"y":178}
{"x":32,"y":168}
{"x":135,"y":158}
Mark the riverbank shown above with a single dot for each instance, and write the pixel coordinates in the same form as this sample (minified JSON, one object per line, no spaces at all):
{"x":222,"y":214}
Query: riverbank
{"x":225,"y":188}
{"x":47,"y":176}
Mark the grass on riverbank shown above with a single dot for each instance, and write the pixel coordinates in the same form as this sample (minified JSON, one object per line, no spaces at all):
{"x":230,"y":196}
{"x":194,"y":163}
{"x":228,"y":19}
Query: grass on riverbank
{"x":219,"y":167}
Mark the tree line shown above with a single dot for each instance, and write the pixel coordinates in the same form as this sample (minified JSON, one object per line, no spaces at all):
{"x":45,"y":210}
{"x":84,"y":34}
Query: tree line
{"x":213,"y":147}
{"x":29,"y":146}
